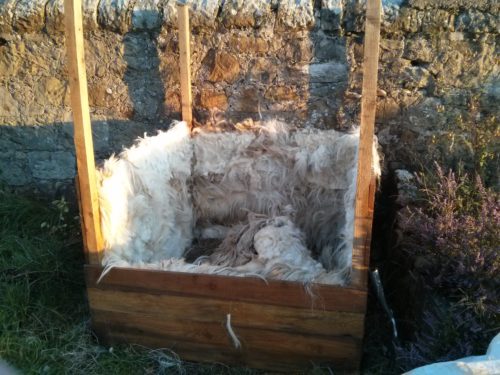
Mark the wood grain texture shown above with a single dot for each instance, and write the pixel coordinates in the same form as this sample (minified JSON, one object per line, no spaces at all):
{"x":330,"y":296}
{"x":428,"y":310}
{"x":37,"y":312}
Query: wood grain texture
{"x":272,"y":336}
{"x":242,"y":289}
{"x":339,"y":355}
{"x":89,"y":203}
{"x":185,"y":63}
{"x":365,"y":185}
{"x":244,"y":314}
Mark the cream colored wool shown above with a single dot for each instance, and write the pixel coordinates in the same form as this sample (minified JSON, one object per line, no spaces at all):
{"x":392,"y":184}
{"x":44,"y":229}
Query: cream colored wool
{"x":303,"y":179}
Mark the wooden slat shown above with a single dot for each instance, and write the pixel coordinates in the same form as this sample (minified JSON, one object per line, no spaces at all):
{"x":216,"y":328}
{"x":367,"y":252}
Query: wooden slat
{"x":243,"y":289}
{"x":365,"y":185}
{"x":185,"y":63}
{"x":256,"y":358}
{"x":83,"y":134}
{"x":247,"y":315}
{"x":184,"y":336}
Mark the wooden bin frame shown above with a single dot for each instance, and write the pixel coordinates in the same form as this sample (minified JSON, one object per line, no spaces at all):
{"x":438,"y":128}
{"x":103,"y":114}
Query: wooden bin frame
{"x":280,"y":325}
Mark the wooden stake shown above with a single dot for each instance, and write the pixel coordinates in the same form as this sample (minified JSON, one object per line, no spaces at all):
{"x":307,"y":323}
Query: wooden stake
{"x":185,"y":63}
{"x":83,"y":133}
{"x":365,"y":188}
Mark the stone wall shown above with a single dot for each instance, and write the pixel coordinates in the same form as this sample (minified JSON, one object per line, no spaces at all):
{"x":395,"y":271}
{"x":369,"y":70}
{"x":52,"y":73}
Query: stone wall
{"x":298,"y":60}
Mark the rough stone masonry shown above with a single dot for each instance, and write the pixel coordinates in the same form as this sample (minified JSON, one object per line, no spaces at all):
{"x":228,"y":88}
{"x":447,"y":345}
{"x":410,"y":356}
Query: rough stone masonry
{"x":298,"y":60}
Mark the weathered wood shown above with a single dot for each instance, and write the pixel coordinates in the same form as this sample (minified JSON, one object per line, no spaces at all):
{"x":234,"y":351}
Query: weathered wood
{"x":243,"y":289}
{"x":83,"y":132}
{"x":183,"y":336}
{"x":340,"y":356}
{"x":363,"y":218}
{"x":214,"y":310}
{"x":185,"y":63}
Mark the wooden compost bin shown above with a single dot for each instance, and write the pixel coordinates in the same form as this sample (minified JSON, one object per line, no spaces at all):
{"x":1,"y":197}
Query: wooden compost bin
{"x":280,"y":325}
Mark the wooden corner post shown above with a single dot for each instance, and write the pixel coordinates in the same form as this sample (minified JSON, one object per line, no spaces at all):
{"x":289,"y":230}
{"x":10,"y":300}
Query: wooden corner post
{"x":87,"y":183}
{"x":185,"y":63}
{"x":365,"y":185}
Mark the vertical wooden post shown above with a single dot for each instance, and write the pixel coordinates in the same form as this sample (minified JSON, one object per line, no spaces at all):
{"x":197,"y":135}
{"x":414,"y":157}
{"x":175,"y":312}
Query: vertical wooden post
{"x":87,"y":185}
{"x":185,"y":63}
{"x":365,"y":186}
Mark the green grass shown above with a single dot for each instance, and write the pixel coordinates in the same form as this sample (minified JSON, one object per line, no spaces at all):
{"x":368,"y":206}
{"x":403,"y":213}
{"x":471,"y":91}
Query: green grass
{"x":44,"y":321}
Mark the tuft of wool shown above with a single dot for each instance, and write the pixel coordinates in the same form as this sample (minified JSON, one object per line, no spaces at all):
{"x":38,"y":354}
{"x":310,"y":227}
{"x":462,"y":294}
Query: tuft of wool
{"x":146,"y":209}
{"x":247,"y":187}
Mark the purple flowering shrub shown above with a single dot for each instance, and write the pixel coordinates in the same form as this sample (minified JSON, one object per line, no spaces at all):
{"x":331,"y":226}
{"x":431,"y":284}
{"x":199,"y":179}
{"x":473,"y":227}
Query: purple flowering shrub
{"x":453,"y":236}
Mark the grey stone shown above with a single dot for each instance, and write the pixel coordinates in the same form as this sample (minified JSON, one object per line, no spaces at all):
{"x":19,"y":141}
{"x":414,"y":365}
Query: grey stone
{"x":419,"y":50}
{"x":202,"y":12}
{"x":246,"y":13}
{"x":327,"y":72}
{"x":146,"y":15}
{"x":14,"y":169}
{"x":56,"y":165}
{"x":115,"y":14}
{"x":332,"y":13}
{"x":296,"y":14}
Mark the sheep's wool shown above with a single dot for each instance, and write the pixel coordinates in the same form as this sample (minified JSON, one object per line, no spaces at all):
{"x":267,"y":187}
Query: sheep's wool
{"x":279,"y":201}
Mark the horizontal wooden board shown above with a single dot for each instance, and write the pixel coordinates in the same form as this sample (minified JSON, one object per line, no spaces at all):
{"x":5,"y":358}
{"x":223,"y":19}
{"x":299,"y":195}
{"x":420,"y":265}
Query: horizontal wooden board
{"x":256,"y":359}
{"x":242,"y":289}
{"x":204,"y":341}
{"x":244,"y":314}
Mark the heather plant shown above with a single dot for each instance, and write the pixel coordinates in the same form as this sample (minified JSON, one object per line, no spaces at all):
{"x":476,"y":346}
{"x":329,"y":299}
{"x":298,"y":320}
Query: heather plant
{"x":454,"y":237}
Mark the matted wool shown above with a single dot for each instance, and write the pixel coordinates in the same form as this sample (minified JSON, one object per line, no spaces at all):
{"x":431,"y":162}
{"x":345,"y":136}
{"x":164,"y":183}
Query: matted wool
{"x":279,"y":200}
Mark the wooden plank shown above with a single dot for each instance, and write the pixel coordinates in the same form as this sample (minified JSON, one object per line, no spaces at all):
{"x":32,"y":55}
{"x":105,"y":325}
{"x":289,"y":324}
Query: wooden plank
{"x":183,"y":335}
{"x":363,"y":218}
{"x":185,"y":63}
{"x":247,"y":315}
{"x":208,"y":353}
{"x":244,"y":289}
{"x":83,"y":133}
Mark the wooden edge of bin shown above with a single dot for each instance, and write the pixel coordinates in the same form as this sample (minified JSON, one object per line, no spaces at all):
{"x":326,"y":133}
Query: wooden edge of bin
{"x":84,"y":149}
{"x":272,"y":292}
{"x":365,"y":182}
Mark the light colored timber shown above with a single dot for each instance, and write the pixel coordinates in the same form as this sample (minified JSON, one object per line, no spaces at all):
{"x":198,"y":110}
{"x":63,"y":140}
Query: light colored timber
{"x":83,"y":133}
{"x":185,"y":63}
{"x":365,"y":183}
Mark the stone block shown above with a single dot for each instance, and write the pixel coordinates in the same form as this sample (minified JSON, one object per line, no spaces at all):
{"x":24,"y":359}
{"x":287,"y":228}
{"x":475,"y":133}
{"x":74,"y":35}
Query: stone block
{"x":281,"y":93}
{"x":9,"y":108}
{"x":90,"y":14}
{"x":332,"y":13}
{"x":203,"y":13}
{"x":115,"y":15}
{"x":296,"y":14}
{"x":328,"y":72}
{"x":54,"y":15}
{"x":55,"y":165}
{"x":6,"y":15}
{"x":14,"y":169}
{"x":246,"y":13}
{"x":146,"y":15}
{"x":419,"y":50}
{"x":210,"y":98}
{"x":29,"y":15}
{"x":225,"y":68}
{"x":248,"y":44}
